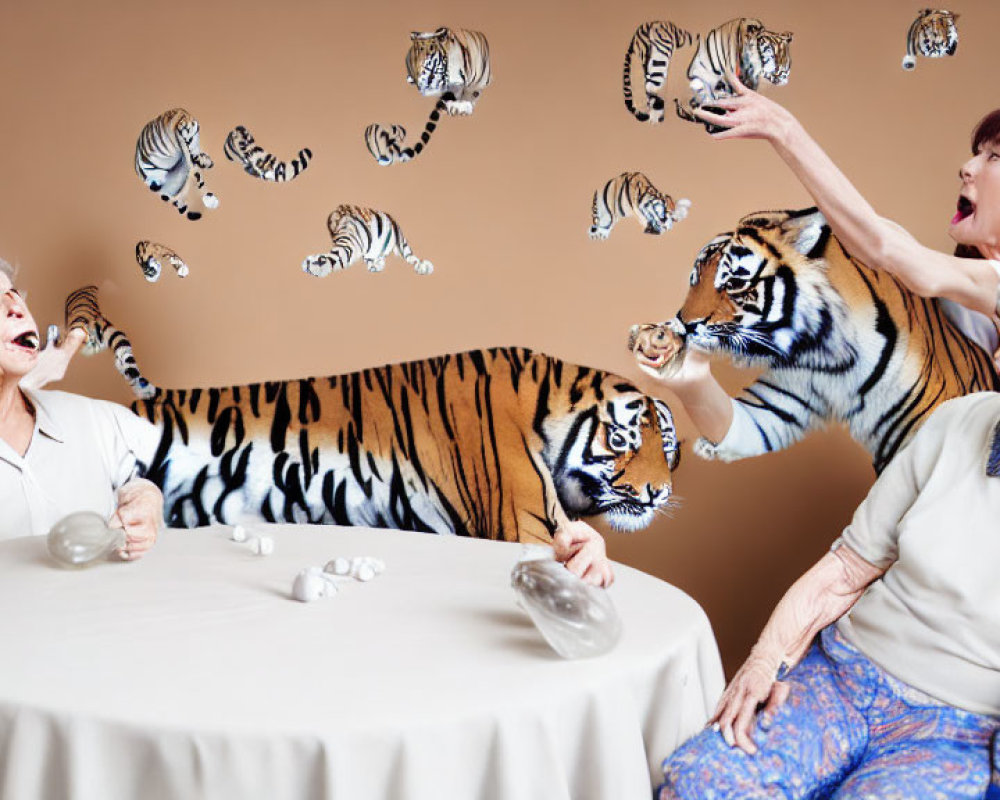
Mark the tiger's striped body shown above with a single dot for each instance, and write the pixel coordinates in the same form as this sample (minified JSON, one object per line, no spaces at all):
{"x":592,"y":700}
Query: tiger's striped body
{"x":653,"y":43}
{"x":933,"y":34}
{"x":741,"y":46}
{"x":840,"y":341}
{"x":450,"y":64}
{"x":152,"y":256}
{"x":501,"y":443}
{"x":168,"y":158}
{"x":363,"y":233}
{"x":242,"y":149}
{"x":632,"y":193}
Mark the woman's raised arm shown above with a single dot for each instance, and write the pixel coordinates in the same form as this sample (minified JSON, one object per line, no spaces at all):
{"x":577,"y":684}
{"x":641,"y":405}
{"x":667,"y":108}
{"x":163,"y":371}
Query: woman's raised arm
{"x":876,"y":241}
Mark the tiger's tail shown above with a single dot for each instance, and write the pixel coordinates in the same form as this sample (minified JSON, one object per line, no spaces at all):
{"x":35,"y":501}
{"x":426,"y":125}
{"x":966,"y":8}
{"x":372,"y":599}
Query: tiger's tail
{"x":910,"y":59}
{"x":392,"y":150}
{"x":83,"y":311}
{"x":642,"y":116}
{"x":241,"y":148}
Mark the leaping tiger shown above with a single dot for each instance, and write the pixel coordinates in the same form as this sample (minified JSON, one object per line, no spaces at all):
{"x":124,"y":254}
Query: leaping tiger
{"x":933,"y":34}
{"x":632,"y":193}
{"x":451,"y":64}
{"x":152,"y":256}
{"x":168,"y":158}
{"x":366,"y":234}
{"x":653,"y":43}
{"x":840,"y":341}
{"x":742,"y":47}
{"x":242,"y":149}
{"x":501,"y":443}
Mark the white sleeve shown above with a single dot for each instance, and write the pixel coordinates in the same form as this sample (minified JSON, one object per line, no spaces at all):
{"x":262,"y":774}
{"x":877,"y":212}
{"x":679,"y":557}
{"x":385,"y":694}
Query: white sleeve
{"x":133,"y":442}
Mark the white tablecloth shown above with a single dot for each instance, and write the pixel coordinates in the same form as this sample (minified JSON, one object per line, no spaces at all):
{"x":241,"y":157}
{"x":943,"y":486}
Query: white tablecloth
{"x":193,"y":674}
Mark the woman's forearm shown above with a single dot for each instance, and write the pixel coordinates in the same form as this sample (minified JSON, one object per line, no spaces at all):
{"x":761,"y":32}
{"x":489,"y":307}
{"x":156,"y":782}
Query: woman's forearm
{"x":879,"y":242}
{"x":824,"y":594}
{"x":708,"y":405}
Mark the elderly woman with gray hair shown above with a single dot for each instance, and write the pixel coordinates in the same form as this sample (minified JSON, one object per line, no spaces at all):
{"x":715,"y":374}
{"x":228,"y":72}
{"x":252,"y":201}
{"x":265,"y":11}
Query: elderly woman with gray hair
{"x":61,"y":452}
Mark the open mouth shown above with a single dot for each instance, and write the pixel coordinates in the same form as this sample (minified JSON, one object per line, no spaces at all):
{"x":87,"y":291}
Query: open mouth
{"x":966,"y":208}
{"x":26,"y":341}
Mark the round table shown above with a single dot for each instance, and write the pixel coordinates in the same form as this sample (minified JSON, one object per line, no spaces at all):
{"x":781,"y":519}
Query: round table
{"x":193,"y":674}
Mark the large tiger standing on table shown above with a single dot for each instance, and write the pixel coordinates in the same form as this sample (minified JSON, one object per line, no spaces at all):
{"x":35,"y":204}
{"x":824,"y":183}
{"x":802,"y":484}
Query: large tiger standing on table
{"x":840,"y":341}
{"x":632,"y":193}
{"x":452,"y":64}
{"x":363,"y":233}
{"x":653,"y":43}
{"x":743,"y":47}
{"x":933,"y":34}
{"x":168,"y":158}
{"x":501,"y":443}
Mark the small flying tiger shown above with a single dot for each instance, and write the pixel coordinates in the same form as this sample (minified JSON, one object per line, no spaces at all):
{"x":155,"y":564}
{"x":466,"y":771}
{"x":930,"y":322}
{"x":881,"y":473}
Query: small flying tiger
{"x":241,"y":148}
{"x":168,"y":158}
{"x":152,"y":256}
{"x":363,"y":233}
{"x":632,"y":193}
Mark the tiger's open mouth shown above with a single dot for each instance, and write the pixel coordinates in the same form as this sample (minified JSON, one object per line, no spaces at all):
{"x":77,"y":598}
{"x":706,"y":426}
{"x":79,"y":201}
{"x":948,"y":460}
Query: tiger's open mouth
{"x":965,"y":208}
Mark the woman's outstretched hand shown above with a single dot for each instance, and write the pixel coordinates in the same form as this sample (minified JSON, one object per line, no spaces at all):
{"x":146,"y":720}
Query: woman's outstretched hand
{"x":755,"y":685}
{"x":748,"y":115}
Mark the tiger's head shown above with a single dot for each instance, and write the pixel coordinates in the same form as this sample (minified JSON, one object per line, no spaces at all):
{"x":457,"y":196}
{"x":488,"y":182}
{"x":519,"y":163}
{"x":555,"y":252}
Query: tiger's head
{"x":936,"y":34}
{"x":763,"y":293}
{"x":612,"y":454}
{"x":775,"y":59}
{"x":427,"y":61}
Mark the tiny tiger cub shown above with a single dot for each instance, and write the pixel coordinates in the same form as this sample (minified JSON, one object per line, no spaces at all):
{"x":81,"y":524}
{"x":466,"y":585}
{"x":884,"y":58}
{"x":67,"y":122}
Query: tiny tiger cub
{"x":633,"y":194}
{"x":169,"y":160}
{"x":500,"y":443}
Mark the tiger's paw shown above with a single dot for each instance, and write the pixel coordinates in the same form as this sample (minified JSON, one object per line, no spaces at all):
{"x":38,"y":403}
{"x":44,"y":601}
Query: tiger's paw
{"x":681,"y":209}
{"x":710,"y":451}
{"x":151,"y":269}
{"x":320,"y":266}
{"x":375,"y":264}
{"x":210,"y":201}
{"x":459,"y":108}
{"x":599,"y":234}
{"x":424,"y":268}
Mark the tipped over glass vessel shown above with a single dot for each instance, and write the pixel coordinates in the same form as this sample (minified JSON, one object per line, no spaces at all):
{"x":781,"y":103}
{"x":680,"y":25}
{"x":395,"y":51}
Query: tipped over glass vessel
{"x":82,"y":538}
{"x":578,"y":620}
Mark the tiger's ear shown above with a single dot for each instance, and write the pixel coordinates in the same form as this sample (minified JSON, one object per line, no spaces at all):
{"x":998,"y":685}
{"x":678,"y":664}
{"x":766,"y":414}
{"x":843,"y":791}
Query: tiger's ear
{"x":807,"y":232}
{"x":786,"y":36}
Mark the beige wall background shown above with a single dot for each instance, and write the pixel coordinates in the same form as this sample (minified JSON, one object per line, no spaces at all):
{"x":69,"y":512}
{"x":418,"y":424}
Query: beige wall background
{"x":500,"y":203}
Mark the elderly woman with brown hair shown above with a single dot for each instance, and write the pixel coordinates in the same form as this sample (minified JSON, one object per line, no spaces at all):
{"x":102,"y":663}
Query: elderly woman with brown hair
{"x":61,"y":452}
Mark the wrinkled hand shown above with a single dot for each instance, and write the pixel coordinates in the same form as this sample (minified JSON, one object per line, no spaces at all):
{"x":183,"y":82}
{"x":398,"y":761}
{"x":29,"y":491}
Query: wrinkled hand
{"x":754,"y":685}
{"x":748,"y":115}
{"x":53,"y":359}
{"x":581,"y":549}
{"x":140,"y":515}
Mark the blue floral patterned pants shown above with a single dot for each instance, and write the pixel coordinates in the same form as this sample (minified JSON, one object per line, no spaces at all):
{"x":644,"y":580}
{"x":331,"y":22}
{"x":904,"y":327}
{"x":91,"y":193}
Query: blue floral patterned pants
{"x":847,"y":730}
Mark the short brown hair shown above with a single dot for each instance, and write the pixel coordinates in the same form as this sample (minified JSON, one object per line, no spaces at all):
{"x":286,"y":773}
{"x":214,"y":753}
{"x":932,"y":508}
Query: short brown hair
{"x":987,"y":131}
